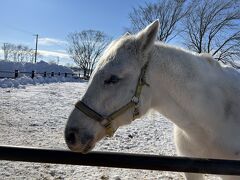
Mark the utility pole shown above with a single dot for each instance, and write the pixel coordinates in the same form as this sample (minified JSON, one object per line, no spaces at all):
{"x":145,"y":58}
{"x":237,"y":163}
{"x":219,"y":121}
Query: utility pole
{"x":57,"y":60}
{"x":36,"y":47}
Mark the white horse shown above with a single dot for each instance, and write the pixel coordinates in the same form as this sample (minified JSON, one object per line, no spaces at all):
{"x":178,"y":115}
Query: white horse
{"x":135,"y":74}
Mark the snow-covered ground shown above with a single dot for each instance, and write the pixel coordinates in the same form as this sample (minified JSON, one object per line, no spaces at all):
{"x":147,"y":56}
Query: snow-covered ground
{"x":36,"y":116}
{"x":25,"y":79}
{"x":39,"y":67}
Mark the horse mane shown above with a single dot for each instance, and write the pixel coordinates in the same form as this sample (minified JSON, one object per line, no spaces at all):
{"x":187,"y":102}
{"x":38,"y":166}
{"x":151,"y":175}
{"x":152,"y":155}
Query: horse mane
{"x":210,"y":60}
{"x":206,"y":57}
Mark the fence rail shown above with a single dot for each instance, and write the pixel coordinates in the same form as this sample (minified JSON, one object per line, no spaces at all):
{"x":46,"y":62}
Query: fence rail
{"x":33,"y":74}
{"x":121,"y":160}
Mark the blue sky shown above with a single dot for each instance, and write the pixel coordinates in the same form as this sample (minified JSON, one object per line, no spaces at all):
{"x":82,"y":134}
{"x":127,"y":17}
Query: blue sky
{"x":54,"y":19}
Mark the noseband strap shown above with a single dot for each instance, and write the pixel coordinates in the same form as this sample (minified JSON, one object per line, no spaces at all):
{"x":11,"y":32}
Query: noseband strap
{"x":89,"y":111}
{"x":134,"y":102}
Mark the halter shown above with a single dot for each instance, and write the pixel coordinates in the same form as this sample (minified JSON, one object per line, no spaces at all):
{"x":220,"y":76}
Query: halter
{"x":106,"y":121}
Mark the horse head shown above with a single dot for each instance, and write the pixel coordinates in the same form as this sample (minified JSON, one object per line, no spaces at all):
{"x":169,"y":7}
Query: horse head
{"x":115,"y":95}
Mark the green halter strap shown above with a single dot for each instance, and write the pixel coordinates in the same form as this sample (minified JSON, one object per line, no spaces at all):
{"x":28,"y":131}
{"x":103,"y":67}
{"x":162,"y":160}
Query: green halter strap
{"x":107,"y":121}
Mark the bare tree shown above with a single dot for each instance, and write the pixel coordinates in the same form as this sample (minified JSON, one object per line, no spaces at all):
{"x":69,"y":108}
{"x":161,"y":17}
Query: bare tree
{"x":30,"y":55}
{"x":213,"y":27}
{"x":18,"y":53}
{"x":6,"y":50}
{"x":85,"y":48}
{"x":21,"y":52}
{"x":169,"y":13}
{"x":13,"y":52}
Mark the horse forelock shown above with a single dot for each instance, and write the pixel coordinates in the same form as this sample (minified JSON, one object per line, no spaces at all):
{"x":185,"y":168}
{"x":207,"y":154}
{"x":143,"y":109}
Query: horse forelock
{"x":120,"y":46}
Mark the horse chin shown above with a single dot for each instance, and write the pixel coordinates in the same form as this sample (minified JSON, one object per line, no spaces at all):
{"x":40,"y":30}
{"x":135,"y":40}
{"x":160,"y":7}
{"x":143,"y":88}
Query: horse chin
{"x":84,"y":149}
{"x":87,"y":149}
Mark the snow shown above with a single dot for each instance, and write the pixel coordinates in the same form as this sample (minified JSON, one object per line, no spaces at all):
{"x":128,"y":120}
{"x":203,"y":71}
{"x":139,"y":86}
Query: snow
{"x":36,"y":116}
{"x":25,"y":79}
{"x":29,"y":67}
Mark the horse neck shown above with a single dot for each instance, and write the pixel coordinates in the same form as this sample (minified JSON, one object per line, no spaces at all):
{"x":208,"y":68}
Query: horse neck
{"x":170,"y":72}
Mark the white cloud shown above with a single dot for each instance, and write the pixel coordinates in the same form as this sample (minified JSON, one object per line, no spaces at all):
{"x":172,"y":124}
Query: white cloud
{"x":51,"y":41}
{"x":53,"y":53}
{"x":58,"y":53}
{"x":61,"y":50}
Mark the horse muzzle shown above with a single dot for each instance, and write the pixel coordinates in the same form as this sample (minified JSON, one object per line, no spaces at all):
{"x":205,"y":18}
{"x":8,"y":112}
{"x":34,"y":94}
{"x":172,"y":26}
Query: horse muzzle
{"x":79,"y":141}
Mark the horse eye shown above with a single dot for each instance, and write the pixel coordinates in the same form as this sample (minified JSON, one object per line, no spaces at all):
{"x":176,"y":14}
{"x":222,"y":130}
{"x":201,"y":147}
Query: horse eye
{"x":112,"y":80}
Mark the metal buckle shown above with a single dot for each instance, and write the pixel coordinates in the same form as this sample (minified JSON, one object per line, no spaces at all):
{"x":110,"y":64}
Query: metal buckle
{"x":135,"y":99}
{"x":108,"y":127}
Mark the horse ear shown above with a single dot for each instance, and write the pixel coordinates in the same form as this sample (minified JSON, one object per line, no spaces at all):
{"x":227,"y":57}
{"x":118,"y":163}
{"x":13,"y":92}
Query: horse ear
{"x":147,"y":36}
{"x":126,"y":34}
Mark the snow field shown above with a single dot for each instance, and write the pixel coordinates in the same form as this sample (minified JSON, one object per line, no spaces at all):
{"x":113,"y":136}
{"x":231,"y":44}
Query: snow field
{"x":36,"y":116}
{"x":25,"y":79}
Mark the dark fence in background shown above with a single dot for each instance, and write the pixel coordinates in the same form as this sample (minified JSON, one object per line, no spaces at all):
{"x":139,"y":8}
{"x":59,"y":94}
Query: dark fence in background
{"x":32,"y":74}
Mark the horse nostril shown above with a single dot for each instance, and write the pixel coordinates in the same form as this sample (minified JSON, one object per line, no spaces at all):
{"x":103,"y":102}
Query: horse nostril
{"x":86,"y":138}
{"x":70,"y":138}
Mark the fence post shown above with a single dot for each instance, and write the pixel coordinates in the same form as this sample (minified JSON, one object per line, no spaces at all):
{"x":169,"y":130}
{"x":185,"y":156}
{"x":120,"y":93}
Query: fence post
{"x":33,"y":74}
{"x":16,"y":74}
{"x":52,"y":74}
{"x":65,"y":74}
{"x":45,"y":74}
